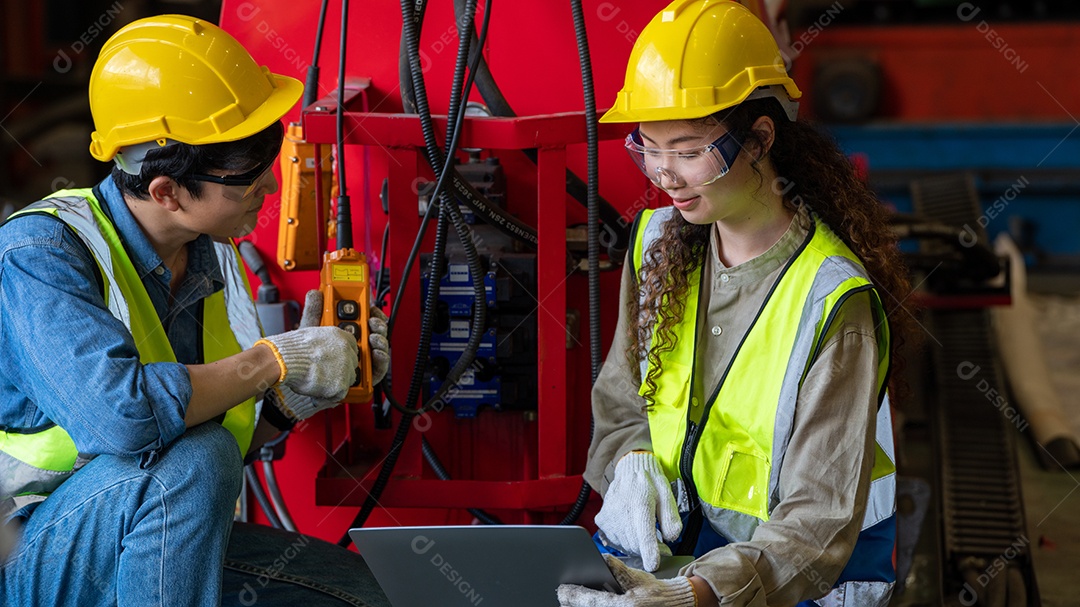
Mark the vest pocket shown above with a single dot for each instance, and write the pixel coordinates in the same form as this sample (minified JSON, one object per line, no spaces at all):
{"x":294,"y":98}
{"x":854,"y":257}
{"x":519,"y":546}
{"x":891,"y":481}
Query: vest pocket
{"x":743,"y":482}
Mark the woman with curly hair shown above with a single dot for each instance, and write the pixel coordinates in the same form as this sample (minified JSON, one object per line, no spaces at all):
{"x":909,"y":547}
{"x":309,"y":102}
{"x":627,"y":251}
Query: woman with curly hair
{"x":741,"y":416}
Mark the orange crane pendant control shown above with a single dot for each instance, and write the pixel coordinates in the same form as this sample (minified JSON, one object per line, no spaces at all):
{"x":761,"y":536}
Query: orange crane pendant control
{"x":347,"y":304}
{"x":306,"y":189}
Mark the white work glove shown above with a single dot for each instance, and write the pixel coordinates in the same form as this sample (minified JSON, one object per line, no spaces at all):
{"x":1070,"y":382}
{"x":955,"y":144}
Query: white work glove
{"x":298,"y":407}
{"x":640,"y":589}
{"x":315,"y":361}
{"x":638,"y":498}
{"x":380,"y":347}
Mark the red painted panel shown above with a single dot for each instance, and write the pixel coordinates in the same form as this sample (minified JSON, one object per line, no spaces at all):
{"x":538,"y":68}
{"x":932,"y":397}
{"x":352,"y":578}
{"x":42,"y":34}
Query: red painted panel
{"x":537,"y":69}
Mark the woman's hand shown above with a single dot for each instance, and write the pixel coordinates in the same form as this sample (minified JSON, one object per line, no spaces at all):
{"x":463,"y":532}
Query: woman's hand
{"x":639,"y":497}
{"x":640,"y":589}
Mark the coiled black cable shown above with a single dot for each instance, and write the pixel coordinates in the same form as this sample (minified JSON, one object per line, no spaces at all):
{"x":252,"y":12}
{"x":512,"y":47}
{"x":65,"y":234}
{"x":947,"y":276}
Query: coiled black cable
{"x":592,"y":138}
{"x":447,"y":207}
{"x":464,"y":235}
{"x":465,"y":192}
{"x":614,"y":224}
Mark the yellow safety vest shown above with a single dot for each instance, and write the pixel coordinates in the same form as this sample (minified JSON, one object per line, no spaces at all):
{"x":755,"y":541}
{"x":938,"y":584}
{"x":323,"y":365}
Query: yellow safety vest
{"x":32,"y":465}
{"x":729,"y":449}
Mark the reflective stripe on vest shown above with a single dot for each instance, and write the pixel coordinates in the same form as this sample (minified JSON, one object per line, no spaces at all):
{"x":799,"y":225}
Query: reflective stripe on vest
{"x":739,"y":455}
{"x":39,"y":462}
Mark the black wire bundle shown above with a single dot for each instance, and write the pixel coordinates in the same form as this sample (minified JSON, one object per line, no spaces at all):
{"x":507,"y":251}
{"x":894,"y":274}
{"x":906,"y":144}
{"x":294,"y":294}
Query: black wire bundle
{"x":449,"y":213}
{"x":592,"y":138}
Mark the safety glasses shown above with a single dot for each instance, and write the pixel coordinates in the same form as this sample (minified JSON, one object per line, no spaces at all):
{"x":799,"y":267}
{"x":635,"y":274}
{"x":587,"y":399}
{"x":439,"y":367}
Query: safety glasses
{"x":249,"y":180}
{"x":686,"y":167}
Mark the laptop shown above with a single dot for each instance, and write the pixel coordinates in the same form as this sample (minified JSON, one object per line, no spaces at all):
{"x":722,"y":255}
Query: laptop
{"x":497,"y":565}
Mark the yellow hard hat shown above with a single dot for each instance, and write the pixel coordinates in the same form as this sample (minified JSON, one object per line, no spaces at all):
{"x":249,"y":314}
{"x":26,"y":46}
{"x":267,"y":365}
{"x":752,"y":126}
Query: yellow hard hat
{"x":179,"y":78}
{"x":695,"y":58}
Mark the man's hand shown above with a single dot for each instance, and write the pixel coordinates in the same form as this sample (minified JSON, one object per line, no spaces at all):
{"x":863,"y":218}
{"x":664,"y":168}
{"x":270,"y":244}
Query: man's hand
{"x":315,"y":361}
{"x":637,"y":499}
{"x":380,"y":347}
{"x":298,"y":407}
{"x":640,"y":589}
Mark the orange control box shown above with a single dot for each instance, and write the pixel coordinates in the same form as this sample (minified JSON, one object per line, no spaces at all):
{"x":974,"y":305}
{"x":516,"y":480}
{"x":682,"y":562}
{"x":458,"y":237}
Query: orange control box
{"x":303,"y":185}
{"x":347,"y":304}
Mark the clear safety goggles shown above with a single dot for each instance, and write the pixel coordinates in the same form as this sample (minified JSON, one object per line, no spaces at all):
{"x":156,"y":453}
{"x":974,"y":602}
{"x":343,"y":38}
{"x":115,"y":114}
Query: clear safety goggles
{"x":685,"y":167}
{"x":250,"y":181}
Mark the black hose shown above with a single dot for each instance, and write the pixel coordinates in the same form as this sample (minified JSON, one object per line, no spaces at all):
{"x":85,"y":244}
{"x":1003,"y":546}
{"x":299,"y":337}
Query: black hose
{"x":577,"y":189}
{"x":276,"y":500}
{"x":440,"y":471}
{"x":979,"y":260}
{"x":464,"y":235}
{"x":592,"y":138}
{"x":462,"y":190}
{"x":426,"y":320}
{"x":457,"y":113}
{"x":414,"y":252}
{"x":446,"y":207}
{"x":382,"y":267}
{"x":260,"y":495}
{"x":268,"y":291}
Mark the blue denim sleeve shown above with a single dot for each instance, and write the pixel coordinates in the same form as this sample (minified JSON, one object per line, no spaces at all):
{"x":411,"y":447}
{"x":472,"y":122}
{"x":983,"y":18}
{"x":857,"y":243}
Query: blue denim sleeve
{"x":69,"y":358}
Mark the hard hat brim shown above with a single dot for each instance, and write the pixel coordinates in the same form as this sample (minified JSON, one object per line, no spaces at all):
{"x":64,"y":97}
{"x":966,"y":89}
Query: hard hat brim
{"x":622,"y":114}
{"x":287,"y":91}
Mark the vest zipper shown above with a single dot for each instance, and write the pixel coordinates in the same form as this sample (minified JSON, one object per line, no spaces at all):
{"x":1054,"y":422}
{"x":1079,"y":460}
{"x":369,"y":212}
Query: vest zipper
{"x":692,"y":529}
{"x":693,"y":525}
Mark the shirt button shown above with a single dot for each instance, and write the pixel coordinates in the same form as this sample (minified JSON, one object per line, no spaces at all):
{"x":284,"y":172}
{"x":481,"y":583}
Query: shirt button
{"x":717,"y":330}
{"x":694,"y":401}
{"x":159,"y":270}
{"x":724,"y":278}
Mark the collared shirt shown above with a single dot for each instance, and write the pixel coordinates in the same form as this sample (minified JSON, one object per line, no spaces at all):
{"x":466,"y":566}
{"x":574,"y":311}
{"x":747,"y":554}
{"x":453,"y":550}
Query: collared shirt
{"x":825,"y":477}
{"x":68,"y":361}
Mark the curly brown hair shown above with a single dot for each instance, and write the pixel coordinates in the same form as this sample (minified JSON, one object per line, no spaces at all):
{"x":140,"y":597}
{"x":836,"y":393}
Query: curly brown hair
{"x":810,"y":170}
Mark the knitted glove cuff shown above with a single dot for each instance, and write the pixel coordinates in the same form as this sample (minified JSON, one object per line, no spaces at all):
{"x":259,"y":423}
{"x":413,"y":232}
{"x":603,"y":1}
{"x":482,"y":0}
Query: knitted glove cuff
{"x":639,"y":461}
{"x":291,"y":346}
{"x":678,"y":592}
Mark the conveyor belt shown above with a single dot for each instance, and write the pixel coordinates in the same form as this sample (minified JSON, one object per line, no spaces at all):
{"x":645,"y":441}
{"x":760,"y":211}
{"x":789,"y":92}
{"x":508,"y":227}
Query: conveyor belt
{"x":986,"y":547}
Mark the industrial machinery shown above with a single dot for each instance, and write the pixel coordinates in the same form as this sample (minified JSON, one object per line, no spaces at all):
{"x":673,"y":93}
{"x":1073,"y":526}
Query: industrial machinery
{"x":478,"y":196}
{"x":489,"y":365}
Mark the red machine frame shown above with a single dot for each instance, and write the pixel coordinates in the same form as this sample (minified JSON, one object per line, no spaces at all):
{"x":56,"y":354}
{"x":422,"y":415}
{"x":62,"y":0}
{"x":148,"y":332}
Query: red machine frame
{"x":401,"y":139}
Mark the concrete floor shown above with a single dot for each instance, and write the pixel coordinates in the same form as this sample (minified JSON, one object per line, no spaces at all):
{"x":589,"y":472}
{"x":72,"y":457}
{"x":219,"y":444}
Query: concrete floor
{"x":1051,"y":498}
{"x":1052,"y":509}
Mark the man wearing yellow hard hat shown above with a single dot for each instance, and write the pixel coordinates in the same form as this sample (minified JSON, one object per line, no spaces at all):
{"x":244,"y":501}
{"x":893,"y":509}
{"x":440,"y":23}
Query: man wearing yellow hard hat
{"x":135,"y":377}
{"x":741,"y":416}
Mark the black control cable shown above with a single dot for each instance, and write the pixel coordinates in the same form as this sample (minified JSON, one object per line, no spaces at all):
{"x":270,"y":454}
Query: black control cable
{"x":311,"y":83}
{"x":592,"y":139}
{"x":462,"y":189}
{"x":344,"y":212}
{"x":447,"y":209}
{"x":464,"y":235}
{"x":457,"y":111}
{"x":614,"y":224}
